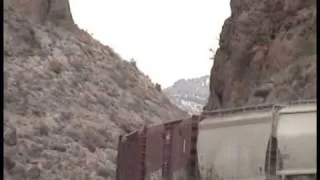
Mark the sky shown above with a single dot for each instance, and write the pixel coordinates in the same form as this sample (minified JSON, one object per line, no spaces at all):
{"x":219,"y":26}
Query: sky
{"x":169,"y":39}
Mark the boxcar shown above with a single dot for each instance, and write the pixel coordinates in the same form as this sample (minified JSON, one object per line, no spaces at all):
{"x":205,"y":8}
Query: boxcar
{"x":157,"y":152}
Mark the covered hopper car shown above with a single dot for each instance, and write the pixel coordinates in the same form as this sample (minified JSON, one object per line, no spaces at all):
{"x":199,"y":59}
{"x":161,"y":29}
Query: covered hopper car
{"x":263,"y":142}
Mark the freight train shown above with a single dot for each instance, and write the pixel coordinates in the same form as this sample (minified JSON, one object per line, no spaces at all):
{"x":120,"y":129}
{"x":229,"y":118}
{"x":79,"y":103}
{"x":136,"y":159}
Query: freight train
{"x":263,"y":142}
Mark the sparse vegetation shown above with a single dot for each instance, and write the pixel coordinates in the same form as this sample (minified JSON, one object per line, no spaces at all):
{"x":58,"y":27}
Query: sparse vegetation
{"x":213,"y":54}
{"x":44,"y":130}
{"x":103,"y":172}
{"x":261,"y":39}
{"x":77,"y":63}
{"x":307,"y":48}
{"x":158,"y":87}
{"x":133,"y":62}
{"x":55,"y":66}
{"x":60,"y":92}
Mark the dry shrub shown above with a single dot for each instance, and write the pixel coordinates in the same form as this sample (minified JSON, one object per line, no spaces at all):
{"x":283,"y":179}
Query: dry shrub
{"x":123,"y":119}
{"x":133,"y":62}
{"x":73,"y":133}
{"x":105,"y":132}
{"x":66,"y":116}
{"x":137,"y":106}
{"x":158,"y":87}
{"x":38,"y":112}
{"x":18,"y":172}
{"x":103,"y":172}
{"x":8,"y":163}
{"x":10,"y":136}
{"x":77,"y":64}
{"x":43,"y":130}
{"x":89,"y":145}
{"x":307,"y":48}
{"x":55,"y":66}
{"x":84,"y":36}
{"x":92,"y":140}
{"x":34,"y":172}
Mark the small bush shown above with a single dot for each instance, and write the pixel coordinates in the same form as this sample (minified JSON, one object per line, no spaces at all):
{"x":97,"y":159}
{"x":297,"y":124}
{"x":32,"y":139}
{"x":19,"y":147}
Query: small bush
{"x":77,"y":64}
{"x":55,"y":66}
{"x":213,"y":53}
{"x":103,"y":172}
{"x":307,"y":48}
{"x":10,"y":136}
{"x":89,"y":145}
{"x":93,"y":140}
{"x":44,"y":130}
{"x":8,"y":163}
{"x":66,"y":116}
{"x":158,"y":87}
{"x":133,"y":62}
{"x":73,"y":133}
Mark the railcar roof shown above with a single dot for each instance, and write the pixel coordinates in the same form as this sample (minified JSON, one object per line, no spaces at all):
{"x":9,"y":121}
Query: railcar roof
{"x":298,"y":108}
{"x":254,"y":108}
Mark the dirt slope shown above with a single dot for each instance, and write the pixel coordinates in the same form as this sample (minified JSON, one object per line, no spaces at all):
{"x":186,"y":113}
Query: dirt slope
{"x":68,"y":97}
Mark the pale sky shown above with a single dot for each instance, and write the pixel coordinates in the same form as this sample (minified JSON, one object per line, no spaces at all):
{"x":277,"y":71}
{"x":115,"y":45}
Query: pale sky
{"x":169,"y":39}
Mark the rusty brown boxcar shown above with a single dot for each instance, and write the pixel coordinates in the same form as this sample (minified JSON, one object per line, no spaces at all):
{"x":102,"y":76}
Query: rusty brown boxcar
{"x":130,"y":156}
{"x":162,"y":151}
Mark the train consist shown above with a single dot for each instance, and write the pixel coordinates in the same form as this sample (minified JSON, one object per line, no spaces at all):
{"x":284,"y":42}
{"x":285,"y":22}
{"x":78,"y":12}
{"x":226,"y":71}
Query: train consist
{"x":249,"y":143}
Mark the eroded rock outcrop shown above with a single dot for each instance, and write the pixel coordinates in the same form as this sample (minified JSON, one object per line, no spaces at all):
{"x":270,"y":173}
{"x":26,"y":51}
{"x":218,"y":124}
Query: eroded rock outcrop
{"x":41,"y":11}
{"x":267,"y":53}
{"x":68,"y":97}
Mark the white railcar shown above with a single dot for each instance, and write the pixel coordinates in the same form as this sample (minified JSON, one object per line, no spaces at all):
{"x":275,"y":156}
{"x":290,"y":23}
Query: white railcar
{"x":297,"y":140}
{"x":232,"y":144}
{"x":261,"y":142}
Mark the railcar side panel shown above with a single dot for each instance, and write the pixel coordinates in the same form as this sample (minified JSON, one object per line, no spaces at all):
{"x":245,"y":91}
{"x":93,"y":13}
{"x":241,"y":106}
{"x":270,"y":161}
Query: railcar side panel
{"x":234,"y":146}
{"x":181,"y":141}
{"x":129,"y":156}
{"x":154,"y":152}
{"x":297,"y":136}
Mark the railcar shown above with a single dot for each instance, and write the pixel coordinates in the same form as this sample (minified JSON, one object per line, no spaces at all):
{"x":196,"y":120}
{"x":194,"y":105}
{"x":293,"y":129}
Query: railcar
{"x":232,"y":143}
{"x":263,"y":142}
{"x":157,"y":152}
{"x":296,"y":132}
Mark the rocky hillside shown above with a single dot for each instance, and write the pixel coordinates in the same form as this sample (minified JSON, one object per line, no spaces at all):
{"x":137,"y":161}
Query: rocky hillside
{"x":267,"y":54}
{"x":68,"y":97}
{"x":189,"y":94}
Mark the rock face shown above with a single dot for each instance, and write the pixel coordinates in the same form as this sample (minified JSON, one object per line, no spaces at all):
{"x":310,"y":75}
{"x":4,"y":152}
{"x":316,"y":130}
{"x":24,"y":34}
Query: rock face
{"x":40,"y":11}
{"x":267,"y":53}
{"x":190,"y":94}
{"x":68,"y":97}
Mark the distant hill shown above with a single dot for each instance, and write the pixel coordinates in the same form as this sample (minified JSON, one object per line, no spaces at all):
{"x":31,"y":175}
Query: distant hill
{"x":189,"y":94}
